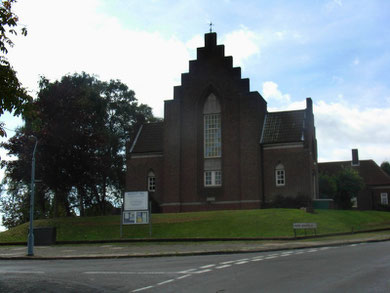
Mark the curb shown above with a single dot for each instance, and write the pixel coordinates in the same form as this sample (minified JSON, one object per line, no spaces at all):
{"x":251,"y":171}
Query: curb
{"x":193,"y":253}
{"x":282,"y":238}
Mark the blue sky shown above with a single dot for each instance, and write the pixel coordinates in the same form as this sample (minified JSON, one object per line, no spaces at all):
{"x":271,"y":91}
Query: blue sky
{"x":335,"y":51}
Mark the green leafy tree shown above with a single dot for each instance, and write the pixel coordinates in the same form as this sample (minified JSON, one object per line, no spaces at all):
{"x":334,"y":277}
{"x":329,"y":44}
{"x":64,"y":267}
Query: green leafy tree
{"x":386,"y":167}
{"x":13,"y":97}
{"x":83,"y":126}
{"x":349,"y":183}
{"x":327,"y":186}
{"x":15,"y":203}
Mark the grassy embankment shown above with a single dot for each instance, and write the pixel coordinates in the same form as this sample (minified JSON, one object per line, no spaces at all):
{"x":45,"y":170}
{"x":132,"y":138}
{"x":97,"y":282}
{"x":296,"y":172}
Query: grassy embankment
{"x":218,"y":224}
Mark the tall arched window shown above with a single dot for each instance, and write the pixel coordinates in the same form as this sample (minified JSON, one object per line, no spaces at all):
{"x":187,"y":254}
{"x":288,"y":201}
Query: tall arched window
{"x":212,"y":142}
{"x":151,"y":181}
{"x":212,"y":127}
{"x":280,"y":175}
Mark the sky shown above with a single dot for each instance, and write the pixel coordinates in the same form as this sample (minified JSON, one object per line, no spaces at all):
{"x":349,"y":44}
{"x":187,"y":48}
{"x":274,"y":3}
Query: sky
{"x":335,"y":51}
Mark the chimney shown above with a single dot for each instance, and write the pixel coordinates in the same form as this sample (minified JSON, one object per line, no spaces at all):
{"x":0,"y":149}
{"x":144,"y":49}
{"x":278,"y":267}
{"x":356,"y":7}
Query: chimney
{"x":355,"y":157}
{"x":309,"y":105}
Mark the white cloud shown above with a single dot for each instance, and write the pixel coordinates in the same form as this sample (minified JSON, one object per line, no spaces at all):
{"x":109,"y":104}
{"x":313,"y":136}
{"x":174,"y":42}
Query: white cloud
{"x":72,"y":40}
{"x":341,"y":127}
{"x":195,"y":42}
{"x":241,"y":44}
{"x":271,"y":91}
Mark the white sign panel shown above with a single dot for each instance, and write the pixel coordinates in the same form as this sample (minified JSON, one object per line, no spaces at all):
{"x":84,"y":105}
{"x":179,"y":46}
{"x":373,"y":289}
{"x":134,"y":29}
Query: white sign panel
{"x":136,"y":201}
{"x":135,"y":217}
{"x":305,"y":226}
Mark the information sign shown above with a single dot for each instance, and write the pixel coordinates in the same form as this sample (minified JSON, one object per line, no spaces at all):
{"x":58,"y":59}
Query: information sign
{"x":135,"y":208}
{"x":135,"y":217}
{"x":136,"y":201}
{"x":305,"y":226}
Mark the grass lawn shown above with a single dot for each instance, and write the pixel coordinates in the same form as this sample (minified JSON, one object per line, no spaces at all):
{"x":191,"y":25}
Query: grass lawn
{"x":215,"y":224}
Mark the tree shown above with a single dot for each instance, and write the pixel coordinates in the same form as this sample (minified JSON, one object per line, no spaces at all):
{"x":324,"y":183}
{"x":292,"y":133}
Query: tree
{"x":13,"y":97}
{"x":386,"y":167}
{"x":342,"y":187}
{"x":83,"y":126}
{"x":349,"y":184}
{"x":327,"y":186}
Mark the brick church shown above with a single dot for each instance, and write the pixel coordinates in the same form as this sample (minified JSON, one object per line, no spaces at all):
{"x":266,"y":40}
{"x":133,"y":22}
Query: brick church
{"x":218,"y":147}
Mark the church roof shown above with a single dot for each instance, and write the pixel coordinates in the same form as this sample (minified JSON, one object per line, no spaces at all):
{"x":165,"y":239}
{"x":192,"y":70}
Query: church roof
{"x":371,"y":173}
{"x":283,"y":127}
{"x":149,"y":138}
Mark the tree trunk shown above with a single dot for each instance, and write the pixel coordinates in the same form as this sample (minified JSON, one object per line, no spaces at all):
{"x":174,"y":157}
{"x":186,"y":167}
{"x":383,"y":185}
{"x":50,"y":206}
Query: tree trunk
{"x":81,"y":192}
{"x":61,"y":204}
{"x":104,"y":196}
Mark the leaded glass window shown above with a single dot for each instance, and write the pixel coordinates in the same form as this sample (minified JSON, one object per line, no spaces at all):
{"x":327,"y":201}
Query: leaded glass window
{"x":212,"y":135}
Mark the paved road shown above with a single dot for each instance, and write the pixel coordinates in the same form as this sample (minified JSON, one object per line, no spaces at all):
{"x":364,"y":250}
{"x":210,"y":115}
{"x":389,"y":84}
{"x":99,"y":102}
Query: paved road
{"x":352,"y":268}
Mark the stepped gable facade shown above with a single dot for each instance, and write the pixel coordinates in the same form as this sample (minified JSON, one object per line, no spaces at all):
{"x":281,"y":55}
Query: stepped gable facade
{"x":218,"y":146}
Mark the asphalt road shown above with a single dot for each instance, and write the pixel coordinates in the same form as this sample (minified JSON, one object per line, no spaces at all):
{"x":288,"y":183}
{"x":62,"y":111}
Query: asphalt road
{"x":352,"y":268}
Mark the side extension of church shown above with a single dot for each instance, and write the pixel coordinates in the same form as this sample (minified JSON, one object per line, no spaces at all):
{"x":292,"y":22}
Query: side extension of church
{"x":219,"y":148}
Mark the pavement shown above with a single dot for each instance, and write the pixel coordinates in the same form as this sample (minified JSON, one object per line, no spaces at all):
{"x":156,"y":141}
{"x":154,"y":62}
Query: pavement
{"x":155,"y":249}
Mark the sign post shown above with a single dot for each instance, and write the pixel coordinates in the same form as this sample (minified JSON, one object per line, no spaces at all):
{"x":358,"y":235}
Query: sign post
{"x":30,"y":240}
{"x":305,"y":227}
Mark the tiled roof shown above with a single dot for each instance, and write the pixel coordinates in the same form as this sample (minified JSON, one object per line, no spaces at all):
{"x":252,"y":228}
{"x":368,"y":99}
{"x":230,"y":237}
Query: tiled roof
{"x":150,"y":138}
{"x":371,"y":173}
{"x":282,"y":127}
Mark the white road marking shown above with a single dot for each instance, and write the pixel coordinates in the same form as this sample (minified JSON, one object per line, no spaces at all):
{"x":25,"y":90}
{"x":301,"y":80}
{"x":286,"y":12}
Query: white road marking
{"x":201,"y":272}
{"x":227,"y":262}
{"x":131,"y":273}
{"x":207,"y":266}
{"x":242,"y":262}
{"x":182,"y":277}
{"x":187,"y":271}
{"x":141,"y":289}
{"x":22,"y":272}
{"x":244,"y":259}
{"x":223,"y":266}
{"x":210,"y":267}
{"x":165,"y":282}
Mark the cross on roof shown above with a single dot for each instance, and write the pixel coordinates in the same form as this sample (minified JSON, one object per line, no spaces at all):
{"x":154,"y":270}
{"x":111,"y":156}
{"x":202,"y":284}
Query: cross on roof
{"x":211,"y":26}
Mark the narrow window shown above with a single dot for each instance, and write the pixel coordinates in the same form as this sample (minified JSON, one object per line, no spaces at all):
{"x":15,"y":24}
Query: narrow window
{"x":212,"y":142}
{"x":212,"y":178}
{"x":151,"y":181}
{"x":280,"y":175}
{"x":384,"y":198}
{"x":208,"y":178}
{"x":212,"y":135}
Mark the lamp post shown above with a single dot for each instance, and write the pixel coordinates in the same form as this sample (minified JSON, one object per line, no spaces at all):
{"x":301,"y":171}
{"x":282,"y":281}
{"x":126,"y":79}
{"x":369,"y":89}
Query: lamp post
{"x":30,"y":248}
